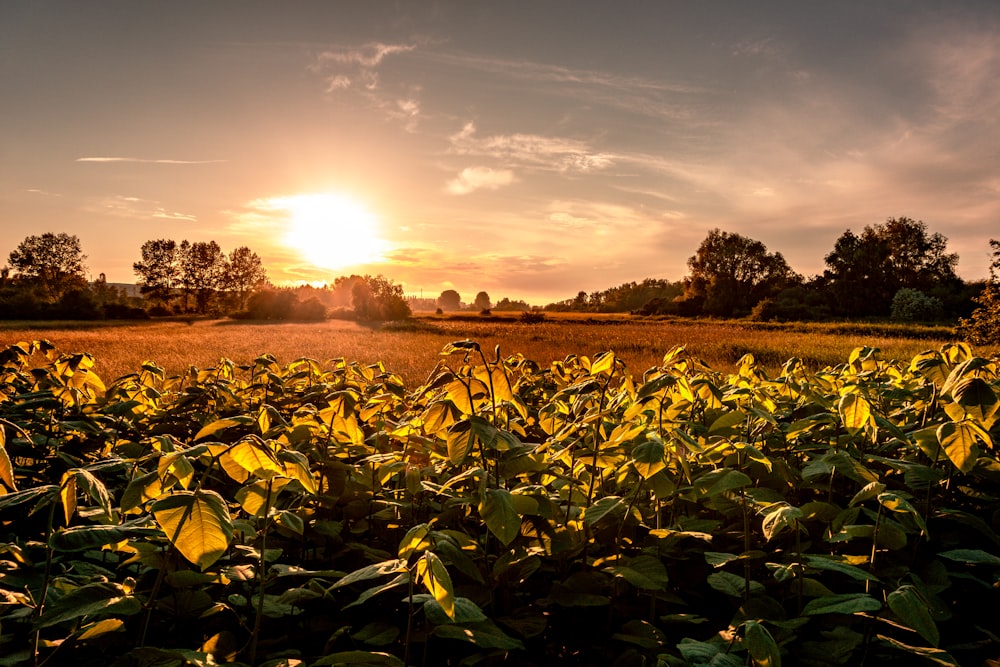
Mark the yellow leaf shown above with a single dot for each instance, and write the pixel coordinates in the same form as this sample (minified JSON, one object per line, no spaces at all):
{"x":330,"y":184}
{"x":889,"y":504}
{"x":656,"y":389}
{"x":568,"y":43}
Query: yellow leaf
{"x":437,"y":581}
{"x":197,"y":523}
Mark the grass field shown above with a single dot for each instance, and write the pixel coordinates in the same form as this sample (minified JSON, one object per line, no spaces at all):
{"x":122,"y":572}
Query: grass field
{"x":412,"y":348}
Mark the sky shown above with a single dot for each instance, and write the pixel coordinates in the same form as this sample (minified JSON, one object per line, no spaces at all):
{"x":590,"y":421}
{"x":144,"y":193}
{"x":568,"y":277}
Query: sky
{"x":527,"y":149}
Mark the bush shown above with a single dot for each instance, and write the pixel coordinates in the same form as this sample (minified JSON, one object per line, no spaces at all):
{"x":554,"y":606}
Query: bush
{"x":911,"y":305}
{"x":532,"y":317}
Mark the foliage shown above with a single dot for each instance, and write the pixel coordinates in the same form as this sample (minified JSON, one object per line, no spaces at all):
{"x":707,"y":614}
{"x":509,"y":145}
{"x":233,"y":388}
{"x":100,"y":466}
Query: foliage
{"x":53,"y":262}
{"x":376,"y":298}
{"x":983,"y":325}
{"x":282,"y":305}
{"x":911,"y":305}
{"x":244,"y":273}
{"x":158,"y":270}
{"x":202,"y":267}
{"x":799,"y":303}
{"x":865,"y":272}
{"x":730,"y":274}
{"x":449,"y":300}
{"x":501,"y":511}
{"x":482,"y":302}
{"x":505,"y":305}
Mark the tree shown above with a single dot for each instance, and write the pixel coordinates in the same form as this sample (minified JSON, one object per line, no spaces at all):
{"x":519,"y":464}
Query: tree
{"x":449,"y":300}
{"x":243,"y":273}
{"x":375,"y":298}
{"x":202,"y":266}
{"x":482,"y":302}
{"x":983,"y":326}
{"x":159,"y":269}
{"x":730,"y":274}
{"x":53,"y":262}
{"x":865,"y":272}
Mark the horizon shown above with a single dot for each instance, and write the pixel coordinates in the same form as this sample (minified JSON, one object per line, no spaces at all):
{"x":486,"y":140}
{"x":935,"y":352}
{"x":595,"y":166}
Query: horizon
{"x":528,"y":151}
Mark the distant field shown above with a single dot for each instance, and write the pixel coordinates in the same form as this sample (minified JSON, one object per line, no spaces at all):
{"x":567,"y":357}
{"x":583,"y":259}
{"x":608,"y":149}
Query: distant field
{"x":411,"y":349}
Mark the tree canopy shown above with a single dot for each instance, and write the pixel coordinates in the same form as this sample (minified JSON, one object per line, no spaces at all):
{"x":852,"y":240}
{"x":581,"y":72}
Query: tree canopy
{"x":449,"y":300}
{"x":866,"y":271}
{"x":52,"y":262}
{"x":730,"y":274}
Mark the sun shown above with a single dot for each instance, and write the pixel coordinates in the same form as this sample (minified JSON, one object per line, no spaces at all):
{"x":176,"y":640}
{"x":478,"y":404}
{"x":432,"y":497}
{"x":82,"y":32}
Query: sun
{"x":331,"y":230}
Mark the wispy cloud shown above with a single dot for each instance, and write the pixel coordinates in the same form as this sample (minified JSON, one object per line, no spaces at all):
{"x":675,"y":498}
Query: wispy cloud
{"x":479,"y":178}
{"x":134,"y":207}
{"x":530,"y":150}
{"x":145,"y":160}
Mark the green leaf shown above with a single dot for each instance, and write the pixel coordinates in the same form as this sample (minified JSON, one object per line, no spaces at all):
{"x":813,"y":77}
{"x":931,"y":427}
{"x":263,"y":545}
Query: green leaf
{"x":958,"y":439}
{"x":85,"y":538}
{"x":6,"y":469}
{"x":733,"y":585}
{"x":359,"y":658}
{"x":483,"y":635}
{"x":641,"y":633}
{"x":913,"y":610}
{"x":373,"y":571}
{"x":197,"y":523}
{"x":649,"y":457}
{"x":778,"y":517}
{"x":971,"y":556}
{"x":221,"y":424}
{"x":976,"y":396}
{"x":934,"y":655}
{"x":834,"y":564}
{"x":897,"y":503}
{"x":761,"y":645}
{"x":855,"y":411}
{"x":848,"y":603}
{"x":497,"y":510}
{"x":721,"y":480}
{"x":466,"y":611}
{"x":435,"y":578}
{"x":88,"y":600}
{"x":415,"y":540}
{"x":727,"y":421}
{"x":645,"y":572}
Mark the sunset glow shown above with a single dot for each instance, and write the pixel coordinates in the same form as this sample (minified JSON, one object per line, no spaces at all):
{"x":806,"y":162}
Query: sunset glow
{"x":331,"y":231}
{"x":529,"y":150}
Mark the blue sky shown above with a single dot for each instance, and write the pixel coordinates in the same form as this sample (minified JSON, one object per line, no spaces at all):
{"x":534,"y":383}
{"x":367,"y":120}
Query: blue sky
{"x":529,"y":149}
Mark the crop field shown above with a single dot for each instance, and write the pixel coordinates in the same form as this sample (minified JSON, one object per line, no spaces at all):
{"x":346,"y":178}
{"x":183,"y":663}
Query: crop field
{"x":328,"y":494}
{"x":411,"y":349}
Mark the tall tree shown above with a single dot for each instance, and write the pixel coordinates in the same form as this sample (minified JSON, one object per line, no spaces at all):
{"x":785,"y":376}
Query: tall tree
{"x":730,"y":274}
{"x":202,"y":266}
{"x":53,"y":262}
{"x":482,"y":301}
{"x":865,"y":271}
{"x":158,"y":270}
{"x":449,"y":300}
{"x":243,"y":273}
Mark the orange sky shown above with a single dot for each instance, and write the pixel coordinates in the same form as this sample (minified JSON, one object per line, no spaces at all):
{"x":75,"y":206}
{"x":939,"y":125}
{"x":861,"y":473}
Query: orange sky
{"x":531,"y":150}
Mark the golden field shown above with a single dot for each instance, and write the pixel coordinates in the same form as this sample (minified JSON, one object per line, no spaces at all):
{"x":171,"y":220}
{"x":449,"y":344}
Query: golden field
{"x":412,"y":348}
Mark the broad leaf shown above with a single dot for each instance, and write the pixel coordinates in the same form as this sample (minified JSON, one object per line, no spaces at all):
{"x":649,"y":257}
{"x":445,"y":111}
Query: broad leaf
{"x":497,"y":510}
{"x":435,"y":578}
{"x":913,"y":610}
{"x":197,"y":523}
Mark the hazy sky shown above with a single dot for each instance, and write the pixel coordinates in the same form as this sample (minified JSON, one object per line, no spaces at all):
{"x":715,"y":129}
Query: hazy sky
{"x":529,"y":149}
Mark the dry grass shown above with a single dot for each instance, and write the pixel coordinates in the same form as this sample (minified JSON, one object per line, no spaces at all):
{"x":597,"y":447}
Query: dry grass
{"x":412,"y":349}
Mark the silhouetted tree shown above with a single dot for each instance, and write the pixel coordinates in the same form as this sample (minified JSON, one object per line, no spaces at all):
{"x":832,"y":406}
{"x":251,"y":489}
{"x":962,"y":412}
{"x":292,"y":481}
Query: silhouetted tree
{"x":243,"y":273}
{"x":51,"y":262}
{"x":202,"y":266}
{"x":482,"y":301}
{"x":158,"y":270}
{"x":730,"y":274}
{"x":449,"y":300}
{"x":865,"y":272}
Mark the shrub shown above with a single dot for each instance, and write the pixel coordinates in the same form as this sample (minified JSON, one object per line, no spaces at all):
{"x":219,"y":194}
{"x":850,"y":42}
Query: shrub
{"x":532,"y":317}
{"x":911,"y":305}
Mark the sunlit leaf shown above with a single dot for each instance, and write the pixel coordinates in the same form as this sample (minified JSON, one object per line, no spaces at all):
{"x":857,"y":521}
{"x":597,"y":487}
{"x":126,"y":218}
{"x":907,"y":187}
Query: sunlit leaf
{"x":847,"y":603}
{"x":649,"y":457}
{"x":197,"y":523}
{"x":497,"y":510}
{"x":435,"y":578}
{"x":959,"y":443}
{"x":855,"y":411}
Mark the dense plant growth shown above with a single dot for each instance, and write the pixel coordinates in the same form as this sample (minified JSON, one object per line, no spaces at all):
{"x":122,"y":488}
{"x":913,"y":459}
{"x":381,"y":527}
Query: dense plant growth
{"x":501,"y":512}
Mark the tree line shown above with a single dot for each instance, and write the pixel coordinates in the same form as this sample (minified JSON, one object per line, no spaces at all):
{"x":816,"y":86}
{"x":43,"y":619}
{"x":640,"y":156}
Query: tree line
{"x":47,"y":279}
{"x":896,"y":269}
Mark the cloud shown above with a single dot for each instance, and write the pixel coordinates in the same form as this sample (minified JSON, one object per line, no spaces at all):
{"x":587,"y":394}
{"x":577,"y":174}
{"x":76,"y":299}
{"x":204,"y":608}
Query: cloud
{"x":477,"y":178}
{"x":133,"y":207}
{"x":145,"y":160}
{"x":530,"y":150}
